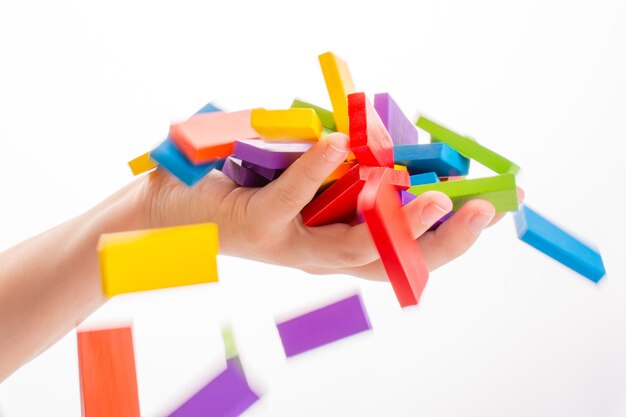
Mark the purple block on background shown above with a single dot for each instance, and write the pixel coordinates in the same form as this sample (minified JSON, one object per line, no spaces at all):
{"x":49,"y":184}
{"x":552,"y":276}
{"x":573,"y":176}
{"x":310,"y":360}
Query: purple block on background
{"x":402,"y":131}
{"x":324,"y":325}
{"x":241,"y":175}
{"x":273,"y":155}
{"x":269,"y":173}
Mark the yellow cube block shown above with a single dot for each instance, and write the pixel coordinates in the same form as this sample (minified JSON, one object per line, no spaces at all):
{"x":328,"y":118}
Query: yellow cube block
{"x":143,"y":163}
{"x":339,"y":84}
{"x":298,"y":124}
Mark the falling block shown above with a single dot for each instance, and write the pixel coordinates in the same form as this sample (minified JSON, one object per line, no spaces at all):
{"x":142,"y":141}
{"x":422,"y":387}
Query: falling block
{"x":402,"y":131}
{"x":272,"y":155}
{"x":169,"y":157}
{"x":468,"y":147}
{"x":143,"y":163}
{"x":108,"y":381}
{"x":324,"y":325}
{"x":369,"y":140}
{"x":500,"y":190}
{"x":545,"y":236}
{"x":425,"y":178}
{"x":339,"y":84}
{"x":158,"y":258}
{"x":326,"y":116}
{"x":390,"y":228}
{"x":242,"y":176}
{"x":439,"y":158}
{"x":293,"y":124}
{"x":338,"y":203}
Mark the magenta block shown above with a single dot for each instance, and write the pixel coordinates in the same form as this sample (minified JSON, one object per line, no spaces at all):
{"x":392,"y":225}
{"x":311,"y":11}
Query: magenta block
{"x":272,"y":155}
{"x":241,"y":175}
{"x":402,"y":131}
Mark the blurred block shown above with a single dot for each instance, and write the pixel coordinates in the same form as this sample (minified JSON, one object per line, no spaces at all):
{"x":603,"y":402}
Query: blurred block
{"x":468,"y":147}
{"x":269,"y":173}
{"x":324,"y":325}
{"x":208,"y":108}
{"x":425,"y":178}
{"x":339,"y":84}
{"x":558,"y":244}
{"x":326,"y":116}
{"x":143,"y":163}
{"x":270,"y":155}
{"x":293,"y":124}
{"x":158,"y":258}
{"x":391,"y":231}
{"x":452,"y":178}
{"x":242,"y":176}
{"x":338,"y":203}
{"x":406,"y":197}
{"x":402,"y":131}
{"x":400,"y":168}
{"x":230,"y":350}
{"x":500,"y":190}
{"x":339,"y":172}
{"x":369,"y":140}
{"x":108,"y":383}
{"x":431,"y":157}
{"x":209,"y":136}
{"x":170,"y":158}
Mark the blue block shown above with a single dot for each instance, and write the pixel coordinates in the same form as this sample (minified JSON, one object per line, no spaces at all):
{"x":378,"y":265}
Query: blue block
{"x":543,"y":235}
{"x":426,"y":178}
{"x":431,"y":157}
{"x":170,"y":158}
{"x":208,"y":108}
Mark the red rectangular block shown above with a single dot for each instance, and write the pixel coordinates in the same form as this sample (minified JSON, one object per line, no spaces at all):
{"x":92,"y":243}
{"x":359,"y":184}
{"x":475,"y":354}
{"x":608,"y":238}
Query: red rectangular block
{"x":369,"y":140}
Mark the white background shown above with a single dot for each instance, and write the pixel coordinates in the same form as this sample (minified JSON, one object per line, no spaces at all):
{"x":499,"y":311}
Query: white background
{"x":86,"y":86}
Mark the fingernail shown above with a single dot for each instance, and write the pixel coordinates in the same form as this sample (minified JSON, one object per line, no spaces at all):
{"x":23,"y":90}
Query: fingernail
{"x":431,"y":213}
{"x":336,"y":149}
{"x":479,"y":221}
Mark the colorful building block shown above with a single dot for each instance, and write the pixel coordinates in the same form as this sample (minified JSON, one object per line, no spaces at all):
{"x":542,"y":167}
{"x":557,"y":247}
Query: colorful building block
{"x":326,"y":116}
{"x":390,"y":228}
{"x":402,"y":131}
{"x":295,"y":124}
{"x":269,"y":173}
{"x":208,"y":108}
{"x":400,"y":168}
{"x":339,"y":172}
{"x":158,"y":258}
{"x":545,"y":236}
{"x":324,"y":325}
{"x":439,"y":158}
{"x":339,"y":84}
{"x":425,"y":178}
{"x":270,"y":155}
{"x":242,"y":176}
{"x":170,"y":158}
{"x":369,"y":140}
{"x":108,"y":381}
{"x":143,"y":163}
{"x":230,"y":350}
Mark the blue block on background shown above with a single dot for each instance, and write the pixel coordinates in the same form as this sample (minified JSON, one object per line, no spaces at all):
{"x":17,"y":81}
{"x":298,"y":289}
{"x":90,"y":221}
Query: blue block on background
{"x":208,"y":108}
{"x":426,"y":178}
{"x":431,"y":157}
{"x":543,"y":235}
{"x":170,"y":158}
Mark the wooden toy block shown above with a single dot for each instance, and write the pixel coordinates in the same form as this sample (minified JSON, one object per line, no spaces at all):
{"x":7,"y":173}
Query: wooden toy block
{"x":406,"y":197}
{"x":143,"y":163}
{"x":170,"y":158}
{"x":439,"y":158}
{"x":326,"y":116}
{"x":230,"y":350}
{"x":402,"y":131}
{"x":369,"y":140}
{"x":208,"y":108}
{"x":295,"y":124}
{"x":324,"y":325}
{"x":339,"y":172}
{"x":452,"y":178}
{"x":242,"y":176}
{"x":468,"y":147}
{"x":269,"y":173}
{"x":209,"y":136}
{"x":339,"y":84}
{"x":108,"y":381}
{"x":545,"y":236}
{"x":338,"y":203}
{"x":400,"y":168}
{"x":500,"y":190}
{"x":158,"y":258}
{"x":271,"y":155}
{"x":400,"y":253}
{"x":425,"y":178}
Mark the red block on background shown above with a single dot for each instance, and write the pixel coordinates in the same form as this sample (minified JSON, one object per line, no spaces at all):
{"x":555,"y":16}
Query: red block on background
{"x":380,"y":206}
{"x":369,"y":140}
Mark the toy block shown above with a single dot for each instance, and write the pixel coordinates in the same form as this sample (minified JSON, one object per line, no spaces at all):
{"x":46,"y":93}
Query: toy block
{"x":108,"y":381}
{"x":390,"y":228}
{"x":143,"y":163}
{"x":326,"y":116}
{"x":158,"y":258}
{"x":339,"y":172}
{"x":439,"y":158}
{"x":425,"y":178}
{"x":269,"y":173}
{"x":293,"y":124}
{"x":402,"y":131}
{"x":439,"y":222}
{"x":208,"y":108}
{"x":270,"y":155}
{"x":339,"y":84}
{"x":500,"y":190}
{"x":209,"y":136}
{"x":242,"y":176}
{"x":452,"y":178}
{"x":369,"y":140}
{"x":170,"y":158}
{"x":230,"y":350}
{"x":400,"y":168}
{"x":468,"y":147}
{"x":324,"y":325}
{"x":545,"y":236}
{"x":338,"y":203}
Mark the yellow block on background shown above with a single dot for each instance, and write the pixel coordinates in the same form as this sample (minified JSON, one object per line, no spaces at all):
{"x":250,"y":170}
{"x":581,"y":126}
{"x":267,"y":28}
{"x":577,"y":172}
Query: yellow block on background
{"x":400,"y":168}
{"x":158,"y":258}
{"x":339,"y":84}
{"x":141,"y":164}
{"x":290,"y":124}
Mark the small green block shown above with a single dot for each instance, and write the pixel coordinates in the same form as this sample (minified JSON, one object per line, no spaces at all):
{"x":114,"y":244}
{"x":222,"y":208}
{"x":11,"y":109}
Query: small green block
{"x":229,"y":342}
{"x":326,"y":117}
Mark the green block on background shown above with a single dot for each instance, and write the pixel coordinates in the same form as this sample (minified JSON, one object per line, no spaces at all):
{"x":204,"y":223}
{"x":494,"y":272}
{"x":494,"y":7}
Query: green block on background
{"x":468,"y":147}
{"x":229,"y":342}
{"x":326,"y":116}
{"x":500,"y":190}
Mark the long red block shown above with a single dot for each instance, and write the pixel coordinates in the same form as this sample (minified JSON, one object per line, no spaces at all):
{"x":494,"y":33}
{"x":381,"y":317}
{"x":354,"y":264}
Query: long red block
{"x":369,"y":139}
{"x":380,"y":206}
{"x":108,"y":383}
{"x":338,"y":203}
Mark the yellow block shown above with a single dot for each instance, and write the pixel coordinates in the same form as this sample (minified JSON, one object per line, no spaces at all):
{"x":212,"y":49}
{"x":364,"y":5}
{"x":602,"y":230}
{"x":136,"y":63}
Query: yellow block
{"x":291,"y":124}
{"x":158,"y":258}
{"x":141,"y":164}
{"x":339,"y":84}
{"x":400,"y":168}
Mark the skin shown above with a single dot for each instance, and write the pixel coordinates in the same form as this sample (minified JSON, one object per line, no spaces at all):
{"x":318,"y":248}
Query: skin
{"x":51,"y":282}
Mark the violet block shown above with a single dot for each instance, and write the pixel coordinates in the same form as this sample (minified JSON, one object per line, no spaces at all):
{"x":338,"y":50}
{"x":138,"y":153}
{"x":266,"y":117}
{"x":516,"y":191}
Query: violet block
{"x":324,"y":325}
{"x":269,"y":173}
{"x":402,"y":131}
{"x":242,"y":176}
{"x":273,"y":155}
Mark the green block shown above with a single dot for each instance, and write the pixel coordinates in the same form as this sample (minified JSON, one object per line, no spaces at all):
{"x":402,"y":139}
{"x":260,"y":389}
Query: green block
{"x":326,"y":117}
{"x":229,"y":342}
{"x":500,"y":190}
{"x":468,"y":147}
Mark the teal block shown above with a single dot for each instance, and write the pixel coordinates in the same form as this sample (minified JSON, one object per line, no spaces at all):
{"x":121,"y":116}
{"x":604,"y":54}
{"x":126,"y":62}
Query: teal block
{"x":439,"y":158}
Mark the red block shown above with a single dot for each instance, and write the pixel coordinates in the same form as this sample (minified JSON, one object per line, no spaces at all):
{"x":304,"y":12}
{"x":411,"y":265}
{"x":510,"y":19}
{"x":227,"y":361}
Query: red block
{"x":338,"y":203}
{"x":401,"y":255}
{"x":370,"y":142}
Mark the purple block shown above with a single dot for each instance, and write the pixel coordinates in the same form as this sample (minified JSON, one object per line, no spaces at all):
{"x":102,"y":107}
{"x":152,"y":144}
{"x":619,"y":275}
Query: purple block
{"x":269,"y":173}
{"x":439,"y":222}
{"x":273,"y":155}
{"x":324,"y":325}
{"x":241,"y":175}
{"x":406,"y":197}
{"x":402,"y":131}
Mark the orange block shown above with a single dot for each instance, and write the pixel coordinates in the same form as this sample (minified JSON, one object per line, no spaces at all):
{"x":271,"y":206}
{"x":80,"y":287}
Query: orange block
{"x":339,"y":172}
